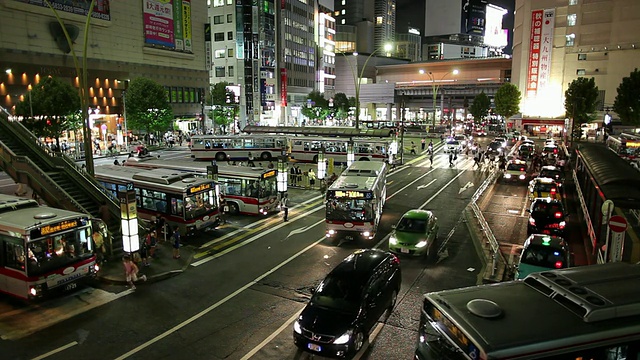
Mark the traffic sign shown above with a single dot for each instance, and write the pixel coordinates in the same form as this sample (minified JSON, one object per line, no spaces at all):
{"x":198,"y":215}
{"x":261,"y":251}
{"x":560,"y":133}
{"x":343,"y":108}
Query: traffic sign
{"x":607,"y":208}
{"x":618,"y":224}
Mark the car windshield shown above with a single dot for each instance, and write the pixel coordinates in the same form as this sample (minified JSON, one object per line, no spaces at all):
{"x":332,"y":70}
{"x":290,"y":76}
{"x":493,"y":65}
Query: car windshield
{"x":412,"y":225}
{"x":460,"y":137}
{"x":453,"y":143}
{"x":495,"y":145}
{"x":544,"y":256}
{"x":339,"y":291}
{"x":549,"y":148}
{"x":548,"y":173}
{"x":515,"y":167}
{"x":546,"y":208}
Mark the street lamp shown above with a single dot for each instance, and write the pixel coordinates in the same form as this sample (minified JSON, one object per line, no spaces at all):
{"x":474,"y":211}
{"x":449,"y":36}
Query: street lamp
{"x":435,"y":87}
{"x":357,"y":77}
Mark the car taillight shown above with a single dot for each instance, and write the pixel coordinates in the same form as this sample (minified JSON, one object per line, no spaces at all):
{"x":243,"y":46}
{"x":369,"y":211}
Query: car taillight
{"x":558,"y":215}
{"x":395,"y":260}
{"x":555,"y":151}
{"x":561,"y":225}
{"x":558,"y":264}
{"x":553,"y":190}
{"x":521,"y":169}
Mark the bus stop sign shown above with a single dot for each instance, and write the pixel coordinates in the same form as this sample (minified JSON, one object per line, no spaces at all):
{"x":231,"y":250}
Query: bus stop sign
{"x":618,"y":224}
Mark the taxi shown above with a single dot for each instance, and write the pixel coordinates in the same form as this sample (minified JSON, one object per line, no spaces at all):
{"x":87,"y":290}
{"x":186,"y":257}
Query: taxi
{"x":543,"y":252}
{"x":552,"y":172}
{"x":516,"y":170}
{"x":544,"y":188}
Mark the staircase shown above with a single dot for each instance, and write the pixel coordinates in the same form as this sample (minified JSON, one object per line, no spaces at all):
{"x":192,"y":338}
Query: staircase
{"x":53,"y":176}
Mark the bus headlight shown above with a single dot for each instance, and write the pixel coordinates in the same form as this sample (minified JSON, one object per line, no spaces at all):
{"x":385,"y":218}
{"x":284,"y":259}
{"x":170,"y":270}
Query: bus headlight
{"x":331,"y":233}
{"x":35,"y":290}
{"x":366,"y":234}
{"x":421,"y":244}
{"x":393,"y":240}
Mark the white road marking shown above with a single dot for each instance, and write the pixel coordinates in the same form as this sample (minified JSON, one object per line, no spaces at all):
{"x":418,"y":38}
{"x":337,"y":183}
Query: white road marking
{"x":217,"y":304}
{"x":441,"y":190}
{"x":427,"y":185}
{"x":272,"y":336}
{"x":55,"y":351}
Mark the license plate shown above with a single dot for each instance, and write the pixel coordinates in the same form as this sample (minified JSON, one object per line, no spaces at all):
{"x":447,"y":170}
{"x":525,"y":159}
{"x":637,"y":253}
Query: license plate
{"x":405,"y":251}
{"x":349,"y":237}
{"x":70,"y":286}
{"x":314,"y":347}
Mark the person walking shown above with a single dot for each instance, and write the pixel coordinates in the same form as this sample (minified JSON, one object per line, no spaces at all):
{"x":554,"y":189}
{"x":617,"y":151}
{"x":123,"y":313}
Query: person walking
{"x":423,"y":143}
{"x":298,"y":175}
{"x":413,"y":148}
{"x":312,"y":178}
{"x":152,"y":243}
{"x":131,"y":271}
{"x":250,"y":161}
{"x":98,"y":243}
{"x":284,"y":205}
{"x":430,"y":157}
{"x":451,"y":159}
{"x":176,"y":243}
{"x":104,"y":212}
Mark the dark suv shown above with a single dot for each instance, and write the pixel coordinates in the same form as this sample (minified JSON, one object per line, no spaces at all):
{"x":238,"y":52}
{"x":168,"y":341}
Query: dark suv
{"x":546,"y":216}
{"x":348,"y":303}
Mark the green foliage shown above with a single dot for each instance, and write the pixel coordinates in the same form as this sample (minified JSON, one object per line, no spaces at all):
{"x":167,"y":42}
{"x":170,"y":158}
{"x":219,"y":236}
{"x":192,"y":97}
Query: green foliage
{"x":627,"y":103}
{"x":508,"y":100}
{"x":480,"y":107}
{"x":225,"y":105}
{"x":319,"y":108}
{"x":53,"y":103}
{"x":147,"y":106}
{"x":580,"y":100}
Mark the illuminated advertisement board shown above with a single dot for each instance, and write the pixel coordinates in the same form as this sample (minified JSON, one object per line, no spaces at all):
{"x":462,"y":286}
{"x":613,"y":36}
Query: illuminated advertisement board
{"x":494,"y":34}
{"x":473,"y":16}
{"x":100,"y":9}
{"x":158,"y":23}
{"x":540,"y":47}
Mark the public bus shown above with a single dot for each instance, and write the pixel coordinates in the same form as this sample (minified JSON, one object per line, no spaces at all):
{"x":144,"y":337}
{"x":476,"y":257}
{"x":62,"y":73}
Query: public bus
{"x":43,"y":250}
{"x":246,"y":190}
{"x":625,"y":145}
{"x":182,"y":199}
{"x":306,"y":148}
{"x":354,"y":201}
{"x":237,"y":147}
{"x":587,"y":312}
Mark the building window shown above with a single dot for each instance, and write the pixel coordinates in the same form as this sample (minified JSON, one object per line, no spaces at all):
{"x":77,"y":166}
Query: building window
{"x":344,"y":2}
{"x":342,"y":21}
{"x":230,"y":52}
{"x":571,"y":19}
{"x":581,"y":72}
{"x":229,"y":35}
{"x":217,"y":3}
{"x":218,"y":54}
{"x":217,"y":19}
{"x":230,"y":70}
{"x":219,"y":71}
{"x":573,"y":2}
{"x":218,"y":36}
{"x":344,"y":11}
{"x":379,"y":20}
{"x":229,"y":18}
{"x":582,"y":56}
{"x":570,"y":39}
{"x":229,"y":2}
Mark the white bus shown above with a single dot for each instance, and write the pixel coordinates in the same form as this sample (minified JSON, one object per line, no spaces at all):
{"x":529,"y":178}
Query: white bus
{"x":184,"y":200}
{"x":355,"y":200}
{"x":306,"y":148}
{"x":588,"y":312}
{"x":237,"y":147}
{"x":43,"y":250}
{"x":246,"y":190}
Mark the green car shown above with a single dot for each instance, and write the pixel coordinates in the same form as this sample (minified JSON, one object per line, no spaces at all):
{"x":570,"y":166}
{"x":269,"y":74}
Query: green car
{"x":415,"y":234}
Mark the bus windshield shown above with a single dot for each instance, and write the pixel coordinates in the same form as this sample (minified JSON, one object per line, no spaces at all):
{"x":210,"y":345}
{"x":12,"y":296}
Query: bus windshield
{"x":47,"y":254}
{"x":350,"y":209}
{"x":198,"y":204}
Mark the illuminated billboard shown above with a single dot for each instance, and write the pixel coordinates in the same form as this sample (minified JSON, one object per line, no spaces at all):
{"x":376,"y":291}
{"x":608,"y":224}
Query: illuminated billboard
{"x":494,"y":34}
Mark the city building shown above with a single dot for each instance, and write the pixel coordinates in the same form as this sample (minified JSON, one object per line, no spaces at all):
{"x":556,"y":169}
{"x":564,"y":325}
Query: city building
{"x":126,"y":40}
{"x":557,"y":41}
{"x":326,"y":33}
{"x":408,"y":45}
{"x":364,"y":26}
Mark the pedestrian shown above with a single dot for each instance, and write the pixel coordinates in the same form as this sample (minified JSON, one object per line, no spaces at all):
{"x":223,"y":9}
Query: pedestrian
{"x":160,"y":227}
{"x":451,"y":159}
{"x":131,"y":271}
{"x":270,"y":166}
{"x":104,"y":212}
{"x":476,"y":160}
{"x":423,"y":143}
{"x":441,"y":138}
{"x":144,"y":253}
{"x":430,"y":158}
{"x":250,"y":160}
{"x":116,"y":162}
{"x":413,"y":148}
{"x":298,"y":175}
{"x":152,"y":243}
{"x":21,"y":191}
{"x":284,"y":205}
{"x":98,"y":243}
{"x":176,"y":243}
{"x":312,"y":178}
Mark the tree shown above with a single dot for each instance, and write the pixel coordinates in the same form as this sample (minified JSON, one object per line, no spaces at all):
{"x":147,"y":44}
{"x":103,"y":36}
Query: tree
{"x":147,"y":106}
{"x":52,"y":102}
{"x":317,"y":107}
{"x":341,"y":106}
{"x":480,"y":107}
{"x":224,"y":103}
{"x":508,"y":100}
{"x":627,"y":102}
{"x":580,"y":100}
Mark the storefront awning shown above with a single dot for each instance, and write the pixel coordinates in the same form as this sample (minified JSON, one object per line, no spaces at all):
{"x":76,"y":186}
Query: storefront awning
{"x":526,"y":121}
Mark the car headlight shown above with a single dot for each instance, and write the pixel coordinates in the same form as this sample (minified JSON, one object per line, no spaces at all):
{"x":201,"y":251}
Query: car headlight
{"x":297,"y":328}
{"x":393,"y":240}
{"x":366,"y":234}
{"x":522,"y":176}
{"x":562,"y":224}
{"x":507,"y":176}
{"x":421,"y":244}
{"x":344,"y":338}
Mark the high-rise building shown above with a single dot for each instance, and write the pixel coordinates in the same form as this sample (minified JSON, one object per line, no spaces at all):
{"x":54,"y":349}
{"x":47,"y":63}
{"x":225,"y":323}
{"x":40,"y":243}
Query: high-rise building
{"x":408,"y":45}
{"x":364,"y":25}
{"x":557,"y":41}
{"x":159,"y":40}
{"x":326,"y":33}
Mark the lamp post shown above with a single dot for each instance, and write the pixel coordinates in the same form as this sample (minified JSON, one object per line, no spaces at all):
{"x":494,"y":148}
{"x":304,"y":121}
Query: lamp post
{"x":357,"y":76}
{"x":435,"y":87}
{"x":124,"y":116}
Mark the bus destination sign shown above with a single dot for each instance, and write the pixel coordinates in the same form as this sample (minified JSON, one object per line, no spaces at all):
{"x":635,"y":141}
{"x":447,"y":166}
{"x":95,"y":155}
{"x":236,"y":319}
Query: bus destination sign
{"x":201,"y":187}
{"x":351,"y":194}
{"x":54,"y":228}
{"x":269,"y":174}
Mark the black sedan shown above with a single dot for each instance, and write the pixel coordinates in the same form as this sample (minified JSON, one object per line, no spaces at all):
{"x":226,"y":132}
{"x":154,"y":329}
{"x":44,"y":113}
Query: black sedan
{"x":546,"y":216}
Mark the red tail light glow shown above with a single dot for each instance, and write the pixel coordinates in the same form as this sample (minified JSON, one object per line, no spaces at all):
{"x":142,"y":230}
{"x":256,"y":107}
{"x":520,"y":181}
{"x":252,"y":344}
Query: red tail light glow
{"x":553,"y":190}
{"x":395,"y":260}
{"x":558,"y":214}
{"x":558,"y":264}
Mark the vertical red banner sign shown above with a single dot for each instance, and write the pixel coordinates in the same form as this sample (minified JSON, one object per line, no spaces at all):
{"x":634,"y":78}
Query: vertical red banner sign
{"x":534,"y":52}
{"x":283,"y":87}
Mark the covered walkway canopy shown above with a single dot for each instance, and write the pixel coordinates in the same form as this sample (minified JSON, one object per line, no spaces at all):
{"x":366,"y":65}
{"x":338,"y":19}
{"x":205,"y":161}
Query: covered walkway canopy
{"x":320,"y":131}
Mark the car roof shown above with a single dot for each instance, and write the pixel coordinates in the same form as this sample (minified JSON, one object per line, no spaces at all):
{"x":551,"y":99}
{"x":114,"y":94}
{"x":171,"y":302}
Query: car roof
{"x":544,"y":180}
{"x":361,"y":262}
{"x":418,"y":214}
{"x":517,"y":161}
{"x":548,"y":240}
{"x":547,"y":200}
{"x":550,"y":167}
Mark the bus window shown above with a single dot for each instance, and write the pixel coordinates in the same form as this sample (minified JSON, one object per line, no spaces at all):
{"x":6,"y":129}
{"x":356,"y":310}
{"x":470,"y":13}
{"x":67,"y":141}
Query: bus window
{"x":15,"y":257}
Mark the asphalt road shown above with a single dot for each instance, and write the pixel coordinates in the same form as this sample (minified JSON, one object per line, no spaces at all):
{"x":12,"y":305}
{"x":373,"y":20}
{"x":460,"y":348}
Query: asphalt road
{"x":241,"y":304}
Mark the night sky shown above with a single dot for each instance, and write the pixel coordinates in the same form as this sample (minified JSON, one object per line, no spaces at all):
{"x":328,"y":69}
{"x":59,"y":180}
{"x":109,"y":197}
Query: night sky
{"x":411,"y":13}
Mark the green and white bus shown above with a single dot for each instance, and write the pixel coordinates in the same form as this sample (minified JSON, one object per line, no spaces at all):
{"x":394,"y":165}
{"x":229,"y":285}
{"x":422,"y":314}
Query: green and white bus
{"x":581,"y":313}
